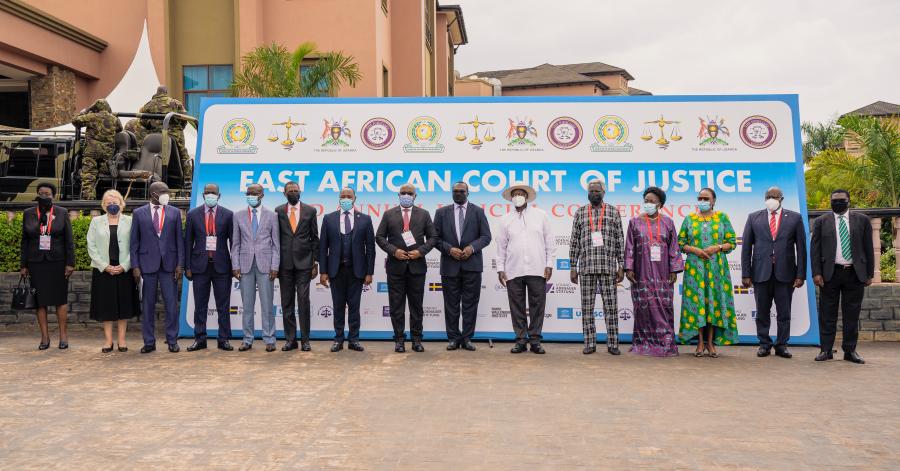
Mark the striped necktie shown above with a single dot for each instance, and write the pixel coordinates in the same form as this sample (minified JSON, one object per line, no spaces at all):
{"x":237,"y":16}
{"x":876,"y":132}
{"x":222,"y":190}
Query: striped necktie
{"x":844,"y":233}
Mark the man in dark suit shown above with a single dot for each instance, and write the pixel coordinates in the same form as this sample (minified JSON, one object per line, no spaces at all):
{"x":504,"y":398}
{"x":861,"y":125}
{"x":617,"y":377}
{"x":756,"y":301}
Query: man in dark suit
{"x":207,"y":242}
{"x":773,"y":260}
{"x":299,"y":235}
{"x":463,"y":231}
{"x":157,"y":252}
{"x":347,"y":257}
{"x":843,"y":266}
{"x":407,"y":234}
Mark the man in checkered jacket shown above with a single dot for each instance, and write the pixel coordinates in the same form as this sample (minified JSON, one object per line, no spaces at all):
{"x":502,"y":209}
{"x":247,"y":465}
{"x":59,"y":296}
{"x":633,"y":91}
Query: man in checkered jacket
{"x":597,"y":254}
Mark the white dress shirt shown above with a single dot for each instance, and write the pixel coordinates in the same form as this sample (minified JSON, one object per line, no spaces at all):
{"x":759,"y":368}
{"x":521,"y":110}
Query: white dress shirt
{"x":838,"y":256}
{"x":341,"y":218}
{"x":525,"y":245}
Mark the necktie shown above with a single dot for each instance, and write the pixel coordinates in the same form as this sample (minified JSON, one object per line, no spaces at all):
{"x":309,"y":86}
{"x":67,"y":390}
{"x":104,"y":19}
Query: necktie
{"x":210,"y":228}
{"x":254,"y":224}
{"x":460,"y":219}
{"x":846,"y":250}
{"x":156,"y":225}
{"x":772,"y":227}
{"x":405,"y":220}
{"x":346,"y":222}
{"x":293,"y":219}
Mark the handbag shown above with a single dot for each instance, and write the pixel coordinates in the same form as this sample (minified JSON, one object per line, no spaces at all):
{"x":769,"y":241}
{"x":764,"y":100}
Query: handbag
{"x":24,"y":296}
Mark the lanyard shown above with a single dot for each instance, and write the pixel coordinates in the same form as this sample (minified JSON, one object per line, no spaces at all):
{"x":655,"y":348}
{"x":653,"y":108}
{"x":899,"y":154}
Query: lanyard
{"x":45,"y":229}
{"x":650,"y":230}
{"x":591,"y":218}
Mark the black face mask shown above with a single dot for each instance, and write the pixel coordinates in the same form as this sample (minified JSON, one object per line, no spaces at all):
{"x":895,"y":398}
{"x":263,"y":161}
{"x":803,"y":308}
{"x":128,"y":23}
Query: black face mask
{"x":293,"y":199}
{"x":44,"y":202}
{"x":595,"y":198}
{"x":459,"y":198}
{"x":839,"y":206}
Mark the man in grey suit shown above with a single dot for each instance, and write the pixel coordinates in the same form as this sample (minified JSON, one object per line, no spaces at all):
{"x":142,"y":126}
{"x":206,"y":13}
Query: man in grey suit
{"x":773,"y":260}
{"x":407,"y":234}
{"x":255,"y":257}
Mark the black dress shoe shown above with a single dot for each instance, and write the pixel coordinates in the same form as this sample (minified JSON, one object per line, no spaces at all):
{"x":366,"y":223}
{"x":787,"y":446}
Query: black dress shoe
{"x":337,"y":346}
{"x":107,"y":349}
{"x":613,"y":350}
{"x":245,"y":346}
{"x":355,"y":346}
{"x":537,"y":348}
{"x":589,"y":350}
{"x":823,"y":356}
{"x":174,"y":348}
{"x":468,"y":345}
{"x":452,"y":345}
{"x":63,"y":345}
{"x":148,"y":348}
{"x":270,"y":348}
{"x":518,"y":348}
{"x":226,"y":345}
{"x":44,"y":345}
{"x":417,"y":346}
{"x":763,"y":352}
{"x":288,"y":346}
{"x":854,"y":358}
{"x":123,"y":349}
{"x":399,"y":347}
{"x":305,"y":347}
{"x":196,"y":346}
{"x":783,"y":353}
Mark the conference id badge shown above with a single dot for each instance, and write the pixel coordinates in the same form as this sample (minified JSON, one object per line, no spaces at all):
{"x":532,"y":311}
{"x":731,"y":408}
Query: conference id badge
{"x":44,"y":242}
{"x":655,"y":253}
{"x":210,"y":243}
{"x":408,"y":238}
{"x":597,"y":239}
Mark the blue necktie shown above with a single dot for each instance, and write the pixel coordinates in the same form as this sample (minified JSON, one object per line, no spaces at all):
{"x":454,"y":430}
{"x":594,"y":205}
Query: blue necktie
{"x":156,"y":220}
{"x":346,"y":222}
{"x":254,"y":224}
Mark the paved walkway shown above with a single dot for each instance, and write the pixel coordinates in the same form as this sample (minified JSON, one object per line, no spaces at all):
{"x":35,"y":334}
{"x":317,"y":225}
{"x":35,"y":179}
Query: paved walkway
{"x":81,"y":409}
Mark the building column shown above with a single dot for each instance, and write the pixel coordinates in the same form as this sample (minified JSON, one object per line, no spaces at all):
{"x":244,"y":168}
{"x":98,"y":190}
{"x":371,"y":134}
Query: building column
{"x":52,"y":98}
{"x":876,"y":244}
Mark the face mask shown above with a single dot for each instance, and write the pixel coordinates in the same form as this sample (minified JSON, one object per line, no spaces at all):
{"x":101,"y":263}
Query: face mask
{"x":772,"y":204}
{"x":164,"y":199}
{"x":293,"y":199}
{"x":459,"y":198}
{"x":649,"y":209}
{"x":518,"y":200}
{"x":211,"y":200}
{"x":595,"y":198}
{"x":839,"y":206}
{"x":113,"y":209}
{"x":346,"y":204}
{"x":44,"y":202}
{"x":704,"y":205}
{"x":406,"y":201}
{"x":253,"y":200}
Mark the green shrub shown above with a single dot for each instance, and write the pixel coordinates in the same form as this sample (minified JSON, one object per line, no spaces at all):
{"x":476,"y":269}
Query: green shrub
{"x":888,"y":265}
{"x":11,"y":240}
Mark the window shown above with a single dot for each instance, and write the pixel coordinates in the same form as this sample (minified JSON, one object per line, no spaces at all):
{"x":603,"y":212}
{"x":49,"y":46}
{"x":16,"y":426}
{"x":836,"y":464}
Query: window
{"x":31,"y":159}
{"x":385,"y":86}
{"x":305,"y":67}
{"x":205,"y":81}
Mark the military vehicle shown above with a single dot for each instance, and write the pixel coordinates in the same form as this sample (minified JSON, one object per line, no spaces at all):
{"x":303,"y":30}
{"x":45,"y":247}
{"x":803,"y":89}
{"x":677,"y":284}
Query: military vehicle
{"x":30,"y":157}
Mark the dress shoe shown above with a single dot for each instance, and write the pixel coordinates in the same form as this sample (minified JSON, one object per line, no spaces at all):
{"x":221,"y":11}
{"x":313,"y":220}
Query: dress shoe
{"x":613,"y":350}
{"x":337,"y":346}
{"x":270,"y":348}
{"x":518,"y":348}
{"x":417,"y":346}
{"x":245,"y":346}
{"x":226,"y":346}
{"x":148,"y":348}
{"x":288,"y":346}
{"x":783,"y":353}
{"x":452,"y":345}
{"x":44,"y":345}
{"x":197,"y":346}
{"x":305,"y":347}
{"x":107,"y":349}
{"x":589,"y":350}
{"x":355,"y":346}
{"x":763,"y":352}
{"x":468,"y":345}
{"x":174,"y":348}
{"x":854,"y":357}
{"x":823,"y":355}
{"x":63,"y":345}
{"x":537,"y":348}
{"x":123,"y":349}
{"x":399,"y":347}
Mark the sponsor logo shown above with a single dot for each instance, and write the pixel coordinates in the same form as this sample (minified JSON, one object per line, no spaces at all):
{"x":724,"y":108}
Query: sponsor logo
{"x":565,"y":313}
{"x":433,"y":262}
{"x":476,"y":142}
{"x":561,"y":288}
{"x":742,"y":290}
{"x":611,"y":134}
{"x":424,"y":135}
{"x":499,"y":287}
{"x":235,"y":310}
{"x":499,"y":312}
{"x":712,"y":132}
{"x":382,"y":287}
{"x":662,"y":141}
{"x":431,"y":311}
{"x":435,"y":287}
{"x":625,"y":314}
{"x":563,"y":264}
{"x":290,"y":137}
{"x":237,"y":137}
{"x":385,"y":311}
{"x":326,"y":311}
{"x":564,"y":133}
{"x":598,"y":314}
{"x":741,"y":315}
{"x":377,"y":133}
{"x":493,"y":264}
{"x":758,"y":132}
{"x":562,"y":240}
{"x":521,"y":135}
{"x":335,"y":136}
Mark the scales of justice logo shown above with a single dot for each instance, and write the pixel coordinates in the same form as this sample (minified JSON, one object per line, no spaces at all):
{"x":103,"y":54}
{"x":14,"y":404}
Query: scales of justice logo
{"x":611,"y":134}
{"x":334,"y":132}
{"x":424,"y":135}
{"x":476,"y":142}
{"x":711,"y":131}
{"x":519,"y":130}
{"x":237,"y":136}
{"x":290,"y":137}
{"x":662,"y":142}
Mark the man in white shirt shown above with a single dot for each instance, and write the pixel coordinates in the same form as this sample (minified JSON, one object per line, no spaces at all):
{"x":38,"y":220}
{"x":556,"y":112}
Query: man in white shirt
{"x":525,"y":254}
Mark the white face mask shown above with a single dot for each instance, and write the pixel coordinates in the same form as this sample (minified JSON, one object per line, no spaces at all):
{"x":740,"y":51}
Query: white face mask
{"x":164,"y":199}
{"x":519,"y":201}
{"x":772,"y":204}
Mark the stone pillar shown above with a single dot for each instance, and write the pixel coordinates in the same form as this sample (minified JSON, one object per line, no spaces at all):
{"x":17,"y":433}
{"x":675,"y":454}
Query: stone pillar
{"x":897,"y":248}
{"x":876,"y":244}
{"x":52,"y":98}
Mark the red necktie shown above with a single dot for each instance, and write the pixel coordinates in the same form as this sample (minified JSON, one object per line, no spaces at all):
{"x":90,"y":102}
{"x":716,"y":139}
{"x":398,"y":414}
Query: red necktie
{"x":211,"y":228}
{"x":405,"y":220}
{"x":772,"y":226}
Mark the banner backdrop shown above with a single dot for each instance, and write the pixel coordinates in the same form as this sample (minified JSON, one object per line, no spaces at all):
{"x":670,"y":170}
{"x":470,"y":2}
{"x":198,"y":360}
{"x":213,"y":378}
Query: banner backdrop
{"x":738,"y":145}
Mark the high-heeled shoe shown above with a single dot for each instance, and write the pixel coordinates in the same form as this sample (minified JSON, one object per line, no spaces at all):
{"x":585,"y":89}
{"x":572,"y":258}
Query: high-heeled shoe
{"x":44,"y":345}
{"x":699,"y":353}
{"x":123,"y":349}
{"x":63,"y":345}
{"x":107,"y":349}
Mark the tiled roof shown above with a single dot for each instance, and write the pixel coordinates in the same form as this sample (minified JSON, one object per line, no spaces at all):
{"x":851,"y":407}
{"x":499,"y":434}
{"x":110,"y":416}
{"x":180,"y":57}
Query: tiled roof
{"x":879,"y":108}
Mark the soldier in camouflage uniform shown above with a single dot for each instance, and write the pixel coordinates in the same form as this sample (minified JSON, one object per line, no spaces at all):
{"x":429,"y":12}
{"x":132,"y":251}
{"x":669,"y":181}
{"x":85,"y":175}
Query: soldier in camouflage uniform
{"x":99,"y":144}
{"x":162,"y":103}
{"x":134,"y":125}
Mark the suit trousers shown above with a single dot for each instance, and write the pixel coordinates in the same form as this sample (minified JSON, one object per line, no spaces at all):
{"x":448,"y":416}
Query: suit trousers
{"x":607,"y":286}
{"x":346,"y":294}
{"x":405,"y":287}
{"x":221,"y":288}
{"x":294,"y":286}
{"x":166,"y":283}
{"x":780,"y":293}
{"x":252,"y":282}
{"x":844,"y":290}
{"x":461,"y":295}
{"x":527,"y":324}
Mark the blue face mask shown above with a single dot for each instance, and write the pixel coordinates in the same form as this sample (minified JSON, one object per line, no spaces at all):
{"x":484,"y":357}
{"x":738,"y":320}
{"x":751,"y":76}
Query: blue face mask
{"x":346,"y":204}
{"x":406,"y":201}
{"x":704,"y":205}
{"x":211,"y":200}
{"x":253,"y":200}
{"x":649,"y":209}
{"x":113,"y":209}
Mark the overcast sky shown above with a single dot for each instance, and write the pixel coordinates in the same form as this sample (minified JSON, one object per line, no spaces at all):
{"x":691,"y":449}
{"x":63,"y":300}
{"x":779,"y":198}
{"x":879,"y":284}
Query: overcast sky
{"x":838,"y":56}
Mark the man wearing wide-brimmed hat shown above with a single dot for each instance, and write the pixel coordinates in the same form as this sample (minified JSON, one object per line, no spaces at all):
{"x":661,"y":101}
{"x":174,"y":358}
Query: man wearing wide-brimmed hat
{"x":525,"y":255}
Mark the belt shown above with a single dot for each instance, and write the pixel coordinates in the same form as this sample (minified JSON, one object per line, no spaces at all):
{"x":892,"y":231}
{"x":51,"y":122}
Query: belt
{"x":843,"y":267}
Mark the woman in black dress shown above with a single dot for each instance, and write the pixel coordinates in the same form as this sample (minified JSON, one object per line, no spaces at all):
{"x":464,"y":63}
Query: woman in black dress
{"x":113,"y":296}
{"x":48,"y":257}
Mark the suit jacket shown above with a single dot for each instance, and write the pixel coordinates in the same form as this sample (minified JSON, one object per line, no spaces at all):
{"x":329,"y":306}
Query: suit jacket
{"x":98,"y":241}
{"x":196,"y":258}
{"x":589,"y":259}
{"x":824,"y":246}
{"x":300,"y":248}
{"x":363,"y":242}
{"x":389,"y":237}
{"x":151,"y":252}
{"x":475,"y":232}
{"x":62,"y":244}
{"x":265,"y":246}
{"x":788,"y":248}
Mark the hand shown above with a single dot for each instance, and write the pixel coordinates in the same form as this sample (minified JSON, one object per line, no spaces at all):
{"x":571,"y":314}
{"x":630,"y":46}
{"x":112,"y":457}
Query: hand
{"x":178,"y":272}
{"x":701,"y":254}
{"x":315,"y":271}
{"x":137,"y":274}
{"x":548,"y":272}
{"x":456,"y":253}
{"x":620,"y":275}
{"x":630,"y":275}
{"x":713,"y":249}
{"x":189,"y":274}
{"x":746,"y":282}
{"x":573,"y":276}
{"x":467,"y":252}
{"x":868,"y":282}
{"x":323,"y":279}
{"x":401,"y":255}
{"x":120,"y":269}
{"x":70,"y":270}
{"x":502,"y":277}
{"x":414,"y":254}
{"x":367,"y":280}
{"x":236,"y":274}
{"x":24,"y":272}
{"x":110,"y":269}
{"x":819,"y":281}
{"x":673,"y":277}
{"x":798,"y":283}
{"x":273,"y":274}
